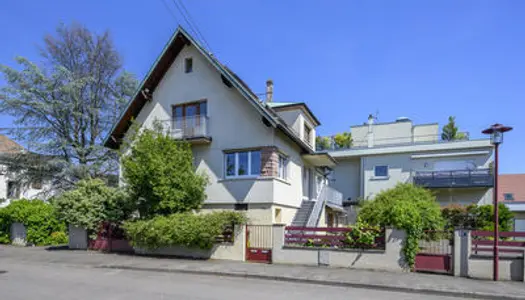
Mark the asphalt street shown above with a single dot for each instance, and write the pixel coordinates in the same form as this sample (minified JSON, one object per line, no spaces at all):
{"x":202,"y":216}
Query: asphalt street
{"x":25,"y":281}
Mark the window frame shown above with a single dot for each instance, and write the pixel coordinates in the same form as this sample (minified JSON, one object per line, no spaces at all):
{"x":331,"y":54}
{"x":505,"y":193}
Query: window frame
{"x":505,"y":198}
{"x":307,"y":137}
{"x":381,"y":176}
{"x":236,"y":164}
{"x":188,"y":65}
{"x":284,"y":159}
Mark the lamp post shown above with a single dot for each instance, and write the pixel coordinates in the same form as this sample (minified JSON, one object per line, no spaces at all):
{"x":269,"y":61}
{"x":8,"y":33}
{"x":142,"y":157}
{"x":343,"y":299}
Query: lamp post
{"x":496,"y":138}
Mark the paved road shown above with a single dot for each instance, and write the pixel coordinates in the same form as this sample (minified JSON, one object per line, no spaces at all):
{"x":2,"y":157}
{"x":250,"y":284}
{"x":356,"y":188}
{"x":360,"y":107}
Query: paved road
{"x":57,"y":282}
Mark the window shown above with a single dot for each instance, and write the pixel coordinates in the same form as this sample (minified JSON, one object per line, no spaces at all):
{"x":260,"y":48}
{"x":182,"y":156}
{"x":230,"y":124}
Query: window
{"x":240,"y":206}
{"x":278,"y":218}
{"x":188,"y":65}
{"x":283,"y":166}
{"x":12,"y":190}
{"x":243,"y":164}
{"x":508,"y":196}
{"x":307,"y":134}
{"x":189,"y":118}
{"x":381,"y":171}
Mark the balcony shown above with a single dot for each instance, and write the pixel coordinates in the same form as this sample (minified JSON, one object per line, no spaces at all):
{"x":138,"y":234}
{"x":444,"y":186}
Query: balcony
{"x":455,"y":179}
{"x":192,"y":129}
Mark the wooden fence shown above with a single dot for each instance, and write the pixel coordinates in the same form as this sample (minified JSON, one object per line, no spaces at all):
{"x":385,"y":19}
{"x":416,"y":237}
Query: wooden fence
{"x":330,"y":237}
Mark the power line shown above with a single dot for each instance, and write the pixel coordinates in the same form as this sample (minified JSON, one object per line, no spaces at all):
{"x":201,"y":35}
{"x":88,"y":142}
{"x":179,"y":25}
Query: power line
{"x":169,"y":10}
{"x":198,"y":32}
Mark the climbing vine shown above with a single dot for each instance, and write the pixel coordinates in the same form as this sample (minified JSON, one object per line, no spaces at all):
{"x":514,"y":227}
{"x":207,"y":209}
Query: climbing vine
{"x":407,"y":207}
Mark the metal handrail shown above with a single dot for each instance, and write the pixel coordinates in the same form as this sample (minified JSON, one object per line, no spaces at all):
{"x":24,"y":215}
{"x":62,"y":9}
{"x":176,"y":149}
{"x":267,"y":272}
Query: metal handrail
{"x":188,"y":127}
{"x":313,"y":219}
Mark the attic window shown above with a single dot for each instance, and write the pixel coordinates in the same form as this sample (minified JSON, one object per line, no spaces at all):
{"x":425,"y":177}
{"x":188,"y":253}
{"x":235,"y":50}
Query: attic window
{"x":188,"y":65}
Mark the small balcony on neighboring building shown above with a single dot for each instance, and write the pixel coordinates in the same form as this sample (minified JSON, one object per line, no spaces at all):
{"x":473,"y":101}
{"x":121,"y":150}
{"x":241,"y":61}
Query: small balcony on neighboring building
{"x":481,"y":178}
{"x":193,"y":129}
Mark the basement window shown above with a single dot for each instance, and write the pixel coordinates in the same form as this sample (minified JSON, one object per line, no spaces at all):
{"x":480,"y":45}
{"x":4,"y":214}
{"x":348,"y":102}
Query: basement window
{"x":188,"y":65}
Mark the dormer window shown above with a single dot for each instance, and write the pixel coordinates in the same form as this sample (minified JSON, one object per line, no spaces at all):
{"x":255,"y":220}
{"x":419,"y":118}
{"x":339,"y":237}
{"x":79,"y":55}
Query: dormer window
{"x":188,"y":65}
{"x":307,"y":134}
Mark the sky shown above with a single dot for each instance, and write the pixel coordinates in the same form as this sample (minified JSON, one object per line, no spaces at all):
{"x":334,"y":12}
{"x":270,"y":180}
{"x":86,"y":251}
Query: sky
{"x":425,"y":60}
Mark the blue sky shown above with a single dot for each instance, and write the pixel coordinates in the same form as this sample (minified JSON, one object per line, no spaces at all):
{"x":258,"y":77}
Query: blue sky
{"x":422,"y":59}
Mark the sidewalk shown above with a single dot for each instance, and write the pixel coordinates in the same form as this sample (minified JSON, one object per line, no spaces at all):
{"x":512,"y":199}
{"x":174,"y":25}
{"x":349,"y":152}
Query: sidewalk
{"x":405,"y":282}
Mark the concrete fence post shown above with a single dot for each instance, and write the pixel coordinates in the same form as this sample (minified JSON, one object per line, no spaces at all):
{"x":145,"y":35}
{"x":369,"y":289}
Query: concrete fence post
{"x":461,"y":254}
{"x":78,"y":238}
{"x":277,"y":241}
{"x":240,"y":232}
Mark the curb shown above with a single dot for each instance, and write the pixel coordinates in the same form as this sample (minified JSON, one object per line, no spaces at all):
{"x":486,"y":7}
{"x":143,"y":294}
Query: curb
{"x":459,"y":294}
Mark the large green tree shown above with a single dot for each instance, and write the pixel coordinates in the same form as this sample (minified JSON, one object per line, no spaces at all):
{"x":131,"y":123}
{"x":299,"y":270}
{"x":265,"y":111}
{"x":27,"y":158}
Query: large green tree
{"x":160,"y":175}
{"x":64,"y":105}
{"x":451,"y":131}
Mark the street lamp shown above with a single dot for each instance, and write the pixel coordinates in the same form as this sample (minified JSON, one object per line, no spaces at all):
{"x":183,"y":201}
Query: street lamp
{"x":496,"y":138}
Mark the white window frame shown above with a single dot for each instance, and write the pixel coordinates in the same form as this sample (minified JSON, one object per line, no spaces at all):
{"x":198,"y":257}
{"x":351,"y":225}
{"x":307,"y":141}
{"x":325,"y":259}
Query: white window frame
{"x":382,"y":176}
{"x":249,"y":171}
{"x":285,"y":161}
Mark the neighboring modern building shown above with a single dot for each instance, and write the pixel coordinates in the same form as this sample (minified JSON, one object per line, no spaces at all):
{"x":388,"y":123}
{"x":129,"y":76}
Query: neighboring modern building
{"x":11,"y":187}
{"x":511,"y":191}
{"x":261,"y":156}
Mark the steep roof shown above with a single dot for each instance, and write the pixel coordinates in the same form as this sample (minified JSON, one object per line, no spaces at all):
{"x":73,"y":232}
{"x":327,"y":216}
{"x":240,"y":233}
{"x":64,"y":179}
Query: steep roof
{"x":513,"y":184}
{"x":177,"y":42}
{"x":7,"y":145}
{"x":278,"y":106}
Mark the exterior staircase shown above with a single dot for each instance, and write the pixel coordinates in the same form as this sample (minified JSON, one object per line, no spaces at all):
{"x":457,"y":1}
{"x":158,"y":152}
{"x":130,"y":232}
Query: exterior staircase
{"x":303,"y":214}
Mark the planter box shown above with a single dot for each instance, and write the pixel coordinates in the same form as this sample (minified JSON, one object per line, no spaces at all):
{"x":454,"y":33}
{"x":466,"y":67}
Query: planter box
{"x":176,"y":251}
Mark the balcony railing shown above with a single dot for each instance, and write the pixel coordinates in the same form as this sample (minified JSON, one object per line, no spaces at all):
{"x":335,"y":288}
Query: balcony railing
{"x":188,"y":127}
{"x":456,"y":178}
{"x":390,"y":141}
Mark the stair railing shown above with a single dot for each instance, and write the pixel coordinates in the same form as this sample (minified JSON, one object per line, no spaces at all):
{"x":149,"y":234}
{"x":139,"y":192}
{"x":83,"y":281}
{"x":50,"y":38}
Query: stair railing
{"x":313,"y":219}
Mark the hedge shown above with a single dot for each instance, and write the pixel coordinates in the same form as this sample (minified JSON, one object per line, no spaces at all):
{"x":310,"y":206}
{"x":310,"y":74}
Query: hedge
{"x":189,"y":230}
{"x":39,"y":218}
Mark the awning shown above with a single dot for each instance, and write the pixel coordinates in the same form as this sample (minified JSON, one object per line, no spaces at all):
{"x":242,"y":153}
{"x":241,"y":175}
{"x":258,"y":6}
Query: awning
{"x":321,"y":159}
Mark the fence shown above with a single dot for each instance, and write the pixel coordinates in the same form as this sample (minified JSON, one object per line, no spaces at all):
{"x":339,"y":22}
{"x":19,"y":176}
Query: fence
{"x":483,"y":243}
{"x":435,"y":252}
{"x":331,"y":237}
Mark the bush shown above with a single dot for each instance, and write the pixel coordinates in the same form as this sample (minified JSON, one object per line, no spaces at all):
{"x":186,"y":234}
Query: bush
{"x":408,"y":207}
{"x":160,"y":174}
{"x":39,"y":218}
{"x":189,"y":230}
{"x":93,"y":202}
{"x":477,"y":217}
{"x":58,"y":238}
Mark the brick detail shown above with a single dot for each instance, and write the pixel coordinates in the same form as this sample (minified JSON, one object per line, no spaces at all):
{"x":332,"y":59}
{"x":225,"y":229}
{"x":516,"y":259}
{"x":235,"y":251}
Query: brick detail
{"x":269,"y":161}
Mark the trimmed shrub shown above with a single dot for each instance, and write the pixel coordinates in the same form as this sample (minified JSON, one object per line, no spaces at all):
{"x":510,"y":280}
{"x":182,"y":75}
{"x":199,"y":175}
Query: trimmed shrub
{"x":408,"y":207}
{"x":477,"y":217}
{"x":189,"y":230}
{"x":91,"y":203}
{"x":39,"y":218}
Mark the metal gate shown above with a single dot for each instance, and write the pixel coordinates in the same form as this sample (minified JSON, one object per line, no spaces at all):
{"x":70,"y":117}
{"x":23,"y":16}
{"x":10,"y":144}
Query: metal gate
{"x":435,"y":252}
{"x":259,"y":241}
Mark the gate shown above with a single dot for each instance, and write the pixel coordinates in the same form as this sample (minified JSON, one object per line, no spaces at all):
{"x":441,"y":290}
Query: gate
{"x":435,"y":252}
{"x":259,"y":241}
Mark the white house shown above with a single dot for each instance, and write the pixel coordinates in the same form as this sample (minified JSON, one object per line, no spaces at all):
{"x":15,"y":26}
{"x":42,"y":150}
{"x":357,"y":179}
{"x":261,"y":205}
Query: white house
{"x":11,"y":187}
{"x":260,"y":155}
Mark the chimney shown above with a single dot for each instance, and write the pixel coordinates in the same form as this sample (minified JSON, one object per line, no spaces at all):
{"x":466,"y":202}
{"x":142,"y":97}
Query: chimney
{"x":370,"y":134}
{"x":269,"y":90}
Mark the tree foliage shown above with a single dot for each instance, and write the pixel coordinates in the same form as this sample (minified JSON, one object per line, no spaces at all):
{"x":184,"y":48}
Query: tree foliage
{"x":343,"y":140}
{"x":477,"y":217}
{"x":65,"y":106}
{"x":408,"y":207}
{"x":322,"y":142}
{"x":92,"y":202}
{"x":160,"y":174}
{"x":39,"y":218}
{"x":185,"y":229}
{"x":451,"y":132}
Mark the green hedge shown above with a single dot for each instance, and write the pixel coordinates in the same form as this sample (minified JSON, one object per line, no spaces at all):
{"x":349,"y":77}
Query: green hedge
{"x":39,"y":218}
{"x":477,"y":217}
{"x":189,"y":230}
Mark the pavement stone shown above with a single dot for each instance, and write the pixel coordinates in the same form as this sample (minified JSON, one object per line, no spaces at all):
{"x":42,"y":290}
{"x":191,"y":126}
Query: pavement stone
{"x":404,"y":281}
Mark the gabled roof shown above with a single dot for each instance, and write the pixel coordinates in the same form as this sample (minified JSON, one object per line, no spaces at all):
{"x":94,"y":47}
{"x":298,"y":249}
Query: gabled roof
{"x":279,"y":106}
{"x":7,"y":145}
{"x":177,"y":42}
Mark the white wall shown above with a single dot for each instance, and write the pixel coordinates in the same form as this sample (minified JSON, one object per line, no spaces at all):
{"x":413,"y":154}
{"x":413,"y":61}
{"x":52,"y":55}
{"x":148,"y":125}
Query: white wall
{"x":233,"y":124}
{"x":347,"y":178}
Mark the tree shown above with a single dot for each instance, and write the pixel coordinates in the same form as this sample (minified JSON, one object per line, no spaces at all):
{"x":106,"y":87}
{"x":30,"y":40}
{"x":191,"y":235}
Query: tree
{"x":160,"y":174}
{"x":65,"y":106}
{"x":343,"y":140}
{"x":408,"y":207}
{"x":322,"y":142}
{"x":451,"y":132}
{"x":93,"y":202}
